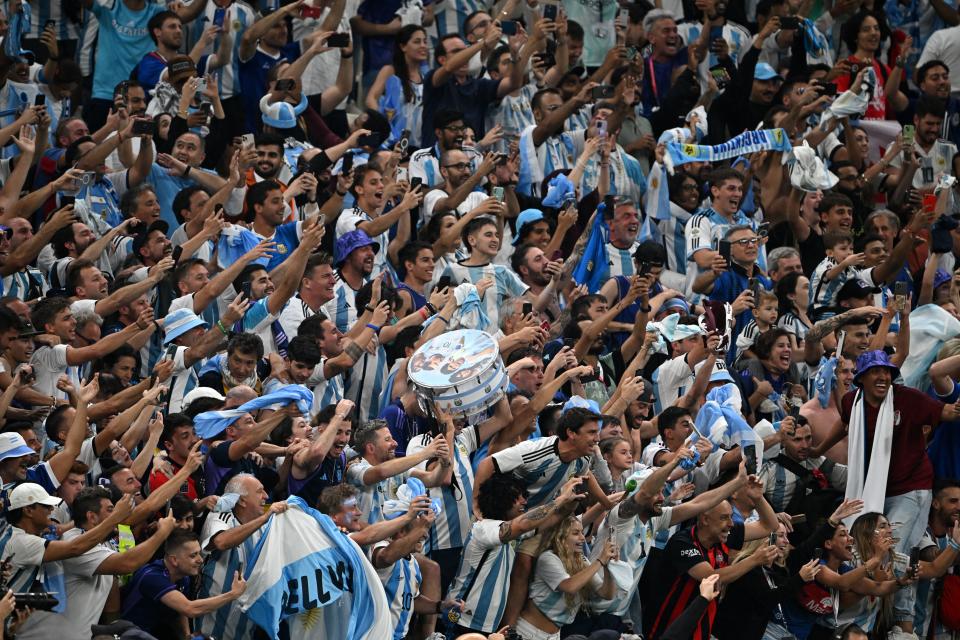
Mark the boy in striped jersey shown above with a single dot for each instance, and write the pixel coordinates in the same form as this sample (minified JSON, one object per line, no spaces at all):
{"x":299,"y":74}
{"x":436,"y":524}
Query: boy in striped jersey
{"x":483,"y":577}
{"x":834,"y":271}
{"x":227,"y":540}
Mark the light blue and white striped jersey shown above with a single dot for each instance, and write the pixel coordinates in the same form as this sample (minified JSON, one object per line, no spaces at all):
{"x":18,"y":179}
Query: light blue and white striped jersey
{"x":401,"y":113}
{"x":514,"y":112}
{"x":823,"y":292}
{"x":506,"y":284}
{"x":25,"y":552}
{"x":454,"y":14}
{"x":185,"y":379}
{"x":538,"y":463}
{"x":634,"y":538}
{"x":483,"y":577}
{"x":350,"y":220}
{"x":24,"y":285}
{"x":217,"y":577}
{"x":674,"y":236}
{"x":372,"y":497}
{"x":670,"y":381}
{"x":451,"y":528}
{"x":739,"y":41}
{"x":556,"y":152}
{"x":401,"y":582}
{"x":626,"y":174}
{"x":546,"y":594}
{"x":43,"y":10}
{"x":342,"y":309}
{"x":579,"y":119}
{"x":327,"y":392}
{"x":706,"y":229}
{"x":621,"y":260}
{"x":12,"y":102}
{"x":925,"y":608}
{"x":425,"y":164}
{"x":366,"y":381}
{"x":239,"y":16}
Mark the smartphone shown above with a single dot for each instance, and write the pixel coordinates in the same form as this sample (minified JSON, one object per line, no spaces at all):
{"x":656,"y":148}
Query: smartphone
{"x":550,"y":11}
{"x":177,"y":252}
{"x":443,"y":283}
{"x":67,"y":201}
{"x":339,"y":40}
{"x":247,"y":290}
{"x":247,"y":140}
{"x":27,"y":375}
{"x":415,"y":182}
{"x":322,"y":219}
{"x":900,"y":293}
{"x":206,"y":108}
{"x":755,"y":288}
{"x":144,"y":127}
{"x":527,"y":308}
{"x":346,"y":164}
{"x":828,"y":89}
{"x":772,"y":540}
{"x":546,"y":59}
{"x":800,"y":518}
{"x":310,"y":12}
{"x":370,"y":140}
{"x":601,"y":128}
{"x":498,"y":193}
{"x":724,"y":248}
{"x":623,"y":18}
{"x":40,"y":100}
{"x":929,"y":202}
{"x":909,"y":132}
{"x":218,"y":15}
{"x":720,"y":75}
{"x":914,"y":558}
{"x":404,"y":141}
{"x":645,"y":268}
{"x":48,"y":24}
{"x":602,"y":92}
{"x":818,"y":553}
{"x":202,"y":85}
{"x":590,"y":377}
{"x":763,"y":229}
{"x":789,"y":22}
{"x":509,"y":27}
{"x":285,"y":84}
{"x":750,"y":454}
{"x":716,"y":33}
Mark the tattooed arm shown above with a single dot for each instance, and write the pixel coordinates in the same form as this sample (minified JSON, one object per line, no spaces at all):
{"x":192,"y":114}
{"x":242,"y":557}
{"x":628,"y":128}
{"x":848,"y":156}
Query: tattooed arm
{"x":544,"y":516}
{"x":813,"y":349}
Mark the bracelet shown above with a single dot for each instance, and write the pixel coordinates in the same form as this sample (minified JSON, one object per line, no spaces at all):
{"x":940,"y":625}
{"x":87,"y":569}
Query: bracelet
{"x":367,"y":307}
{"x":186,"y":172}
{"x":375,"y":328}
{"x":222,"y":328}
{"x":445,"y":321}
{"x":424,"y":314}
{"x":646,"y":309}
{"x":432,"y":309}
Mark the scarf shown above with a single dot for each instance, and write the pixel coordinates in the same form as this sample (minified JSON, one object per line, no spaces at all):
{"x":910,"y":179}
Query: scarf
{"x":746,"y":143}
{"x":869,"y":482}
{"x":229,"y":381}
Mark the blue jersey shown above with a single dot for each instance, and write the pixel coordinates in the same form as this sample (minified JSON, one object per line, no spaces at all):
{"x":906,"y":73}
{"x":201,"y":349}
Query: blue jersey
{"x":253,"y":79}
{"x":149,"y":70}
{"x":123,"y":41}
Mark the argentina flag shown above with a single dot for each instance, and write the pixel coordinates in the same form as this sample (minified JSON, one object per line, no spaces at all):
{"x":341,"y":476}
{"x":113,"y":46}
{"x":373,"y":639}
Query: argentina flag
{"x":593,"y":269}
{"x":306,"y":571}
{"x":720,"y":421}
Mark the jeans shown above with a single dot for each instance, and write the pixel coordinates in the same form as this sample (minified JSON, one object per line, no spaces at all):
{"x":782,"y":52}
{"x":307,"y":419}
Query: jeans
{"x":908,"y":514}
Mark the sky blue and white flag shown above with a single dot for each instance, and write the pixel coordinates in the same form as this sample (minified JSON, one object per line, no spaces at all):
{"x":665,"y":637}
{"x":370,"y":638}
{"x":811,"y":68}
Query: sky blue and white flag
{"x":19,"y":25}
{"x":211,"y":423}
{"x":720,"y":421}
{"x":656,"y":201}
{"x":743,"y":144}
{"x":825,"y":379}
{"x":234,"y":242}
{"x":559,"y":191}
{"x":306,"y":571}
{"x":593,"y":268}
{"x":930,"y":327}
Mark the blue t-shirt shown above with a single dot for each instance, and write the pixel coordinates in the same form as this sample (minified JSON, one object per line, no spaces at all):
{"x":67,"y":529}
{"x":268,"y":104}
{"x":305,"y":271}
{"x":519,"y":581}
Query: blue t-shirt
{"x":123,"y":41}
{"x":727,"y":287}
{"x":472,"y":99}
{"x":141,"y":599}
{"x":253,"y":80}
{"x":378,"y":51}
{"x":149,"y":70}
{"x":403,"y":426}
{"x":167,"y":187}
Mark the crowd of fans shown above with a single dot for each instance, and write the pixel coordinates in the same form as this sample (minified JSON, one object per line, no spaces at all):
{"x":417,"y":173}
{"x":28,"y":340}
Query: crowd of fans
{"x":717,"y":244}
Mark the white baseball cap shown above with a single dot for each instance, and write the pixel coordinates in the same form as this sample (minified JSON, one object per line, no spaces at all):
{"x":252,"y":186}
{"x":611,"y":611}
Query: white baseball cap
{"x":30,"y":493}
{"x":202,"y":392}
{"x":12,"y":445}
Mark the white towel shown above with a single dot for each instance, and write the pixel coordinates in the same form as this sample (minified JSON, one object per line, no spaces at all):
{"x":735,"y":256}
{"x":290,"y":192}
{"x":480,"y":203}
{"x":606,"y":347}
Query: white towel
{"x":869,"y":483}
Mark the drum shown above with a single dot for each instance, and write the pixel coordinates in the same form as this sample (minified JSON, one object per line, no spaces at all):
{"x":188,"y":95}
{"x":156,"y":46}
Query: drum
{"x":461,"y":372}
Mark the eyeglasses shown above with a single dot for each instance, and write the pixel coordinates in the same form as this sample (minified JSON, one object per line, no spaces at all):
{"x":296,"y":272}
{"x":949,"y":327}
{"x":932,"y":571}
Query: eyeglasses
{"x":483,"y":24}
{"x":747,"y":242}
{"x":459,"y":166}
{"x":456,"y":128}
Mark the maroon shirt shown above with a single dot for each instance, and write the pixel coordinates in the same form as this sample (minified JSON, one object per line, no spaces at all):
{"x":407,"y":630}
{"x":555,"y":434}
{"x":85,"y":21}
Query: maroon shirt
{"x":910,"y":468}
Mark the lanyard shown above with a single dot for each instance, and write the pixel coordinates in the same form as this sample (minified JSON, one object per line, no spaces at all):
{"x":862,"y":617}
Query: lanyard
{"x":653,"y":79}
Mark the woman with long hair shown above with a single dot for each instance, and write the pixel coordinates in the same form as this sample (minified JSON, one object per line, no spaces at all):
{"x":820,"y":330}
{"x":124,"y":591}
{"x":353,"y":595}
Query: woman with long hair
{"x":563,"y":581}
{"x":792,"y":294}
{"x":397,"y":91}
{"x":863,"y":34}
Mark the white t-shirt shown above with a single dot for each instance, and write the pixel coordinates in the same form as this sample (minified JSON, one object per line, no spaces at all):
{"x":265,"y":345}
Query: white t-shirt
{"x":49,"y":363}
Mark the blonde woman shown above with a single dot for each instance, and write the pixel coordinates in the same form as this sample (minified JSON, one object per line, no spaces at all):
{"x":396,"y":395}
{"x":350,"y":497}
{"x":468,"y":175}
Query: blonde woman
{"x":563,"y":581}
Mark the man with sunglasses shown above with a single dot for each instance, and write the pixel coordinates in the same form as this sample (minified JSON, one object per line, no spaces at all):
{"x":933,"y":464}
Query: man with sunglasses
{"x":458,"y":190}
{"x":448,"y":135}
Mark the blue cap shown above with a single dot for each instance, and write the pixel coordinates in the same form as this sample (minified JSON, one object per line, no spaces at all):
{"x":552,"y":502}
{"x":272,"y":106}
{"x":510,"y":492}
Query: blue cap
{"x":578,"y":402}
{"x":764,"y":71}
{"x":941,"y":277}
{"x":527,"y":216}
{"x":870,"y":359}
{"x":676,"y":303}
{"x":351,"y":241}
{"x":281,"y":115}
{"x":179,"y":322}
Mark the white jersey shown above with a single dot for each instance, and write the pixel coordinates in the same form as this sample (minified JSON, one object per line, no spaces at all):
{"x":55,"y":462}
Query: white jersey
{"x":342,"y":309}
{"x":350,"y":220}
{"x":228,"y":621}
{"x":185,"y":379}
{"x":670,"y":381}
{"x":506,"y":284}
{"x":327,"y":392}
{"x":546,"y":594}
{"x":450,"y":530}
{"x":373,"y":496}
{"x":621,"y":260}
